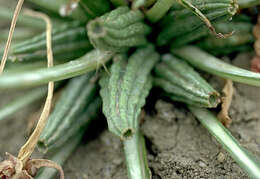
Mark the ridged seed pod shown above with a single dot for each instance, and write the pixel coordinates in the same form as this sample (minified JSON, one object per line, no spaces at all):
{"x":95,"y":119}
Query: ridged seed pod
{"x":183,"y":83}
{"x":124,"y":91}
{"x":118,"y":30}
{"x":73,"y":112}
{"x":69,"y":42}
{"x":181,"y":21}
{"x":240,"y":40}
{"x":239,"y":25}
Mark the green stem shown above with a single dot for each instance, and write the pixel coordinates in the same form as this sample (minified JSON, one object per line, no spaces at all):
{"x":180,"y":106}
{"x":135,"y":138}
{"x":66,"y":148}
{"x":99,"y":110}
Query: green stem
{"x":87,"y":63}
{"x":213,"y":65}
{"x":135,"y":154}
{"x":159,"y":9}
{"x":20,"y":67}
{"x":21,"y":102}
{"x":60,"y":156}
{"x":243,"y":157}
{"x":138,"y":3}
{"x":247,"y":3}
{"x":119,"y":2}
{"x":7,"y":14}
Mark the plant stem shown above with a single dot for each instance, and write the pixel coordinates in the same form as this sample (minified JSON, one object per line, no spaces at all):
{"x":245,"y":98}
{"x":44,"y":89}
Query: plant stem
{"x":119,"y":2}
{"x":6,"y":14}
{"x":247,"y":3}
{"x":60,"y":156}
{"x":22,"y":67}
{"x":243,"y":157}
{"x":206,"y":62}
{"x":159,"y":9}
{"x":135,"y":154}
{"x":10,"y":34}
{"x":87,"y":63}
{"x":21,"y":102}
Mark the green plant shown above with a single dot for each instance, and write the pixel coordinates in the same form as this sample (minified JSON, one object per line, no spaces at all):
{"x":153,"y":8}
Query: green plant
{"x":213,"y":65}
{"x":87,"y":35}
{"x":184,"y":84}
{"x":243,"y":157}
{"x":75,"y":109}
{"x":34,"y":49}
{"x":123,"y":93}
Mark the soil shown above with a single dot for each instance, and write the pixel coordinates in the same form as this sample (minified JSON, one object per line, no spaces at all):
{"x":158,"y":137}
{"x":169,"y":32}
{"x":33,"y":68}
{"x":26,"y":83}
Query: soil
{"x":178,"y":146}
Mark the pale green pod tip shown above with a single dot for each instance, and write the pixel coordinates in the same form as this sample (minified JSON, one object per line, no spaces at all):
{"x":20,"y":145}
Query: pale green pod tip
{"x":95,"y":29}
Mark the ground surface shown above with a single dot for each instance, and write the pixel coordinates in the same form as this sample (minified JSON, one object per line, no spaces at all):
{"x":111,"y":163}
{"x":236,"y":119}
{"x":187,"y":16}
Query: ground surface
{"x":178,"y":146}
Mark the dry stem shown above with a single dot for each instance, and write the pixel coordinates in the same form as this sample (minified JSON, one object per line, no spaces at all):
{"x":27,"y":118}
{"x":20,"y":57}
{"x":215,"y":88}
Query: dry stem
{"x":198,"y":13}
{"x":226,"y":102}
{"x":23,"y":167}
{"x":10,"y":35}
{"x":29,"y":146}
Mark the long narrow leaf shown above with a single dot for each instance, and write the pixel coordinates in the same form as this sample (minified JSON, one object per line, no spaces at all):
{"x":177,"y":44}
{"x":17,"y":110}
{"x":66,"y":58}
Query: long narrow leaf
{"x":85,"y":64}
{"x":206,"y":62}
{"x":243,"y":157}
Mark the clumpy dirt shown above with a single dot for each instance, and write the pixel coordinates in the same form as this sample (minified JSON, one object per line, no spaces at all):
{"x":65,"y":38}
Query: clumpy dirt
{"x":182,"y":148}
{"x":178,"y":146}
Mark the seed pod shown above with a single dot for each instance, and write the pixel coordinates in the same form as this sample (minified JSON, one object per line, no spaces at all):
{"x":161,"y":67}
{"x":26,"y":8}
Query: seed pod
{"x":236,"y":42}
{"x":241,"y":38}
{"x":69,"y":42}
{"x":60,"y":156}
{"x":118,"y":30}
{"x":61,"y":52}
{"x":42,"y":36}
{"x":124,"y":91}
{"x":182,"y":21}
{"x":73,"y":112}
{"x":197,"y":34}
{"x":239,"y":24}
{"x":184,"y":84}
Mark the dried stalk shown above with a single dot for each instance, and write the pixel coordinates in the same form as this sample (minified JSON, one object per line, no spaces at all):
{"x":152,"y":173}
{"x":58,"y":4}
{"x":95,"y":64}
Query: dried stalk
{"x":228,"y":91}
{"x":10,"y":35}
{"x":28,"y":148}
{"x":23,"y":167}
